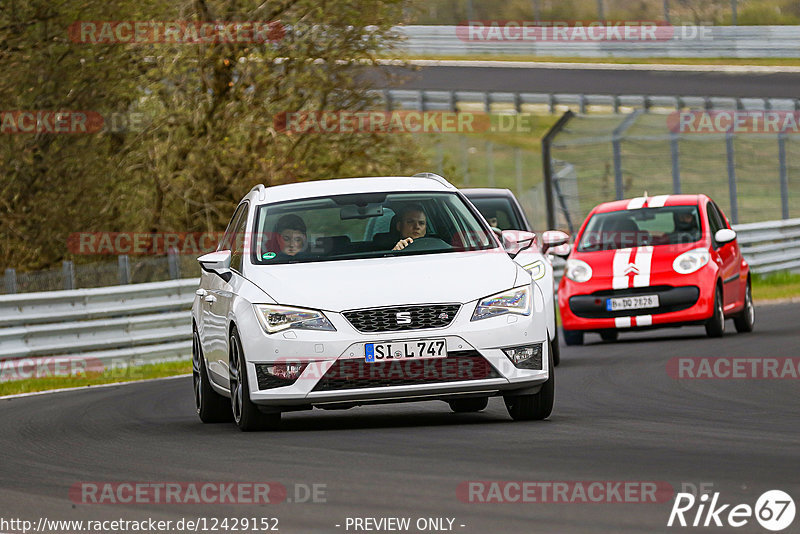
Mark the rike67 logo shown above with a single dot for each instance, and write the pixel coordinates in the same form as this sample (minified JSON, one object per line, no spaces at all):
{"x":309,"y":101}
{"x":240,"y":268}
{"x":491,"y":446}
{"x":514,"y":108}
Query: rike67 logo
{"x":774,"y":510}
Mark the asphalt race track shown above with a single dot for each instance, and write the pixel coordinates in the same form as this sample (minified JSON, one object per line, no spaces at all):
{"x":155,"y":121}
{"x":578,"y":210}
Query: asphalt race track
{"x":594,"y":81}
{"x":618,"y":417}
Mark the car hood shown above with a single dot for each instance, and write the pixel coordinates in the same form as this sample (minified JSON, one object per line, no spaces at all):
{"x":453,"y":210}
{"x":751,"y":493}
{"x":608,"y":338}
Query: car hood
{"x":350,"y":284}
{"x":641,"y":263}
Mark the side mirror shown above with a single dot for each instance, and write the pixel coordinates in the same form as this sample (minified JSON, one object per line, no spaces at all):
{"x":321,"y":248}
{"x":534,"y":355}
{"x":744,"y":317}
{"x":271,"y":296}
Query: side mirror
{"x":515,"y":241}
{"x":218,"y":262}
{"x":553,"y":238}
{"x":562,"y":250}
{"x":724,"y":235}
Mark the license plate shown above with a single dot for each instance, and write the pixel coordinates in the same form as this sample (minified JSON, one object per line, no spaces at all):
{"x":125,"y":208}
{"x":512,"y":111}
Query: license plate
{"x":405,"y":350}
{"x":632,"y":303}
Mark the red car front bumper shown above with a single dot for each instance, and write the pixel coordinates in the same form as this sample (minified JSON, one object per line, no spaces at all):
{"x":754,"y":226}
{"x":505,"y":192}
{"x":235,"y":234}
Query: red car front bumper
{"x":684,"y":299}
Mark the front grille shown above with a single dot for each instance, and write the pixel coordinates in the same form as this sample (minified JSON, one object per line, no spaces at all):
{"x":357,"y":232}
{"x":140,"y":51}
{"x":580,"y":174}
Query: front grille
{"x":671,"y":299}
{"x":358,"y":374}
{"x":386,"y":319}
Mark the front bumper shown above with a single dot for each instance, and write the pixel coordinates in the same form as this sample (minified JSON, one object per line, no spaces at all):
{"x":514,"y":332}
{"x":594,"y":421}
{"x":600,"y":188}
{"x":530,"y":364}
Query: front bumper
{"x":687,"y":300}
{"x":336,"y":371}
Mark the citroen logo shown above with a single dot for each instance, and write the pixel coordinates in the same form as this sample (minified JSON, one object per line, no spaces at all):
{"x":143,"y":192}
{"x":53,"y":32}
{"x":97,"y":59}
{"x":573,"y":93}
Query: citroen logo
{"x":631,"y":268}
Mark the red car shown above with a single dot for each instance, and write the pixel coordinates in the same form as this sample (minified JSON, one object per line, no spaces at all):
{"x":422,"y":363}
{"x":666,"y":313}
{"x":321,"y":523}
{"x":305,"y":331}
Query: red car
{"x":650,"y":262}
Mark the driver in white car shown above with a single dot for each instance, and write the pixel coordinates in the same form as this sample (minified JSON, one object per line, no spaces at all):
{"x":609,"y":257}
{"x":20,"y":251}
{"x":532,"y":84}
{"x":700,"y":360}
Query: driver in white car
{"x":412,"y":224}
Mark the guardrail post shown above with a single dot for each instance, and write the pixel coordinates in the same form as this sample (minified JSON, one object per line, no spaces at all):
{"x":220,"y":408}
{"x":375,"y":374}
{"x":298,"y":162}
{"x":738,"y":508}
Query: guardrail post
{"x":552,"y":102}
{"x":421,"y":100}
{"x":616,"y":104}
{"x":68,"y":273}
{"x":517,"y":103}
{"x":124,"y":270}
{"x":387,"y":96}
{"x":784,"y":175}
{"x":518,"y":169}
{"x":173,"y":263}
{"x":582,"y":103}
{"x":732,"y":177}
{"x":676,"y":164}
{"x":487,"y":102}
{"x":10,"y":281}
{"x":451,"y":100}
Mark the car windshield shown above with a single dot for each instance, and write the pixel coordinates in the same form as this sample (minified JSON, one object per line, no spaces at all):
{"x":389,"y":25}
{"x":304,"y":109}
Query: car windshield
{"x":668,"y":225}
{"x":365,"y":225}
{"x":498,"y":211}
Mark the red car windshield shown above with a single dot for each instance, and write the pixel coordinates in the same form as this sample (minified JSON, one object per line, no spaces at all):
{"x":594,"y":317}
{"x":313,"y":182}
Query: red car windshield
{"x":669,"y":225}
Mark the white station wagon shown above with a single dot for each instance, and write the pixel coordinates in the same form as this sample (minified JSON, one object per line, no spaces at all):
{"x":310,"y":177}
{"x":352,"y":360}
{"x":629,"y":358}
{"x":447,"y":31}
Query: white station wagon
{"x":347,"y":292}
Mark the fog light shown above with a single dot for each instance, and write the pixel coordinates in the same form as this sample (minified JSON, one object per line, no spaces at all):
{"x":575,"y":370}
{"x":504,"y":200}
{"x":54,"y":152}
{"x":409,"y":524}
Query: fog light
{"x":526,"y":356}
{"x":276,"y":375}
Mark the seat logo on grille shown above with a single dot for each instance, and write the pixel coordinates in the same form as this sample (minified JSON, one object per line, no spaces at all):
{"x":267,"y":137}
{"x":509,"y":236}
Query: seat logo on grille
{"x":403,"y":317}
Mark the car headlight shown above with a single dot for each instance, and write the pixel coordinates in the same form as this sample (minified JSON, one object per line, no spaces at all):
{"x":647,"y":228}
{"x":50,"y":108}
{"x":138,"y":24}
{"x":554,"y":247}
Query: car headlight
{"x":537,"y":269}
{"x":275,"y":318}
{"x":517,"y":300}
{"x":691,"y":261}
{"x":578,"y":271}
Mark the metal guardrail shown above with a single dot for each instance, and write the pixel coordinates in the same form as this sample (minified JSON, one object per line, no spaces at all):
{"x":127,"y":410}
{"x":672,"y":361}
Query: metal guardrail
{"x":768,"y":247}
{"x":488,"y":102}
{"x":684,"y":41}
{"x":114,"y":326}
{"x":151,"y":322}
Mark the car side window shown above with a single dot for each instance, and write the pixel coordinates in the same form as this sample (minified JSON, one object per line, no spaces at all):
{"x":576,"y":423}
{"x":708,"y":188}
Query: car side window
{"x":714,"y":222}
{"x":239,"y":241}
{"x":227,"y":239}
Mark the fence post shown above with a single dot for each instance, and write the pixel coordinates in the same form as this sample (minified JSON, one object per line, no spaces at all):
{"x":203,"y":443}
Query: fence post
{"x":783,"y":174}
{"x":465,"y":159}
{"x":616,"y":144}
{"x":439,"y":157}
{"x":732,"y":177}
{"x":666,"y":10}
{"x":124,"y":270}
{"x":676,"y":164}
{"x":547,"y":164}
{"x":490,"y":162}
{"x":11,"y":281}
{"x":174,"y":263}
{"x":68,"y":273}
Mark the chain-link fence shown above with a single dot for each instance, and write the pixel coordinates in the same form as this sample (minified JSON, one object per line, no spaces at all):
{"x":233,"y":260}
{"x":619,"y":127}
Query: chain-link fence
{"x":120,"y":270}
{"x":752,"y":176}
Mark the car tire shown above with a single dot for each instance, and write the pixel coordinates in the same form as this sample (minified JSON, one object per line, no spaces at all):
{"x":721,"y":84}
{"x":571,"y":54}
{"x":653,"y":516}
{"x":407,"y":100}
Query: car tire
{"x":745,"y":321}
{"x":573,"y":337}
{"x":555,"y":346}
{"x":211,"y":406}
{"x":533,"y":407}
{"x":246,"y":415}
{"x":715,"y":325}
{"x":474,"y":404}
{"x":609,"y":335}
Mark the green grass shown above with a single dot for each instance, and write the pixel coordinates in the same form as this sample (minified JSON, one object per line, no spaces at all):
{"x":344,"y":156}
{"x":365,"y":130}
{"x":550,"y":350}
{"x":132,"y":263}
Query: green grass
{"x":776,"y":286}
{"x":128,"y":374}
